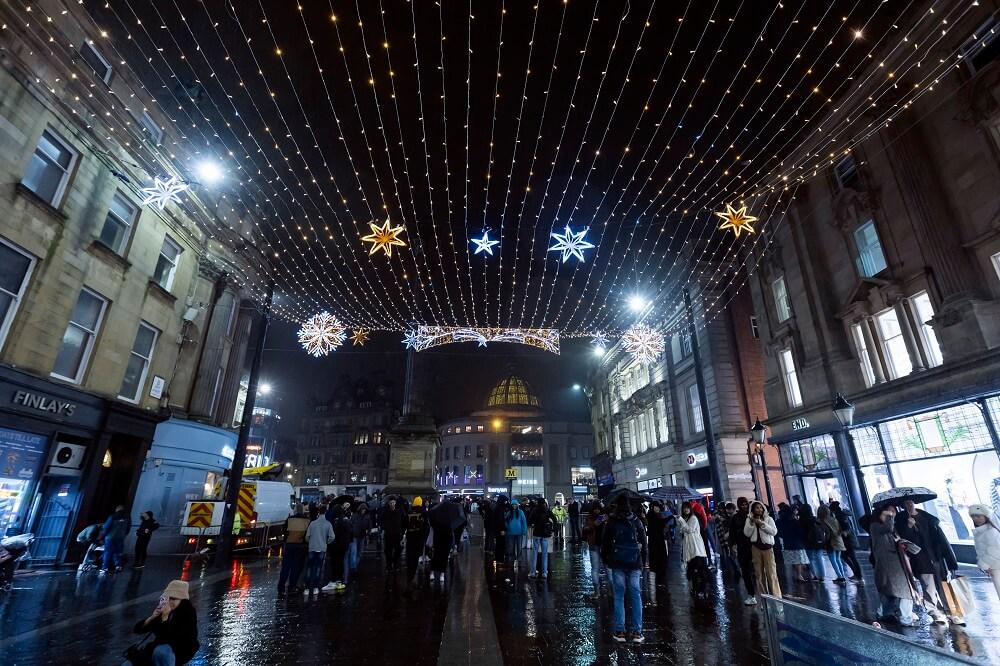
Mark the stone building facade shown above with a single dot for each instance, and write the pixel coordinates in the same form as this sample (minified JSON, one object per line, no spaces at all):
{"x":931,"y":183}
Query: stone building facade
{"x":882,"y":283}
{"x":113,"y":315}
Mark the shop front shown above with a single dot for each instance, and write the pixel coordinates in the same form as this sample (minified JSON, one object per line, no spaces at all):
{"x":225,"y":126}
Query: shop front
{"x":695,"y":470}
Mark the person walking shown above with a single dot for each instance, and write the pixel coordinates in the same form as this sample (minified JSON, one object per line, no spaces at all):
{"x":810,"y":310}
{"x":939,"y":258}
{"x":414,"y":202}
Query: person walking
{"x":294,"y":552}
{"x":394,"y":523}
{"x":744,"y":552}
{"x":515,"y":527}
{"x":114,"y":531}
{"x":174,"y":626}
{"x":657,"y":536}
{"x":814,"y":540}
{"x":793,"y":549}
{"x":592,"y":535}
{"x":761,"y":531}
{"x":893,"y":577}
{"x":849,"y":555}
{"x":486,"y":514}
{"x":986,"y":535}
{"x":544,"y":525}
{"x":693,"y":551}
{"x":361,"y":525}
{"x":834,"y":542}
{"x":417,"y":530}
{"x":498,"y":526}
{"x":337,"y":551}
{"x":622,"y":546}
{"x":574,"y":520}
{"x":147,"y":525}
{"x":561,"y":516}
{"x":699,"y":510}
{"x":934,"y":563}
{"x":319,"y":536}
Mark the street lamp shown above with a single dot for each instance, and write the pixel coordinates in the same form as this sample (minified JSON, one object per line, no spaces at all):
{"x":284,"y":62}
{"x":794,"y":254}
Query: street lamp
{"x":758,"y":432}
{"x":844,"y":411}
{"x":758,"y":436}
{"x":576,"y":387}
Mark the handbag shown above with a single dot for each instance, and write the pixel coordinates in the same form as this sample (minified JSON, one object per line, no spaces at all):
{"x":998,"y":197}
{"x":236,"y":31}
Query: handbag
{"x":963,"y":592}
{"x":138,"y":654}
{"x":951,"y":600}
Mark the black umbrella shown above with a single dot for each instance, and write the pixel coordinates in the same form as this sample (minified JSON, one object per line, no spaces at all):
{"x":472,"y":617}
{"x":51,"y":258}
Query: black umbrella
{"x":632,"y":495}
{"x":345,"y":498}
{"x":446,"y":516}
{"x":675,"y":494}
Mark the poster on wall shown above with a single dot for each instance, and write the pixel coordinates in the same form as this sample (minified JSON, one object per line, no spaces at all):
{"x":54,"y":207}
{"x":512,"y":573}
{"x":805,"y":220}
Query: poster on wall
{"x":21,"y":457}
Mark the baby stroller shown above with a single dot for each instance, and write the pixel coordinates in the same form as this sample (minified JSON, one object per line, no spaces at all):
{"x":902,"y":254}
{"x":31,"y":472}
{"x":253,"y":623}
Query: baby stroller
{"x":91,"y":535}
{"x":12,"y":550}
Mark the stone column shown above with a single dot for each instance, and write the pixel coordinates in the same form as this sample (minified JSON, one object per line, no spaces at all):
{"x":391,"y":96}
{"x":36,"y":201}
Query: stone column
{"x":225,"y":412}
{"x":872,"y":350}
{"x":906,"y":326}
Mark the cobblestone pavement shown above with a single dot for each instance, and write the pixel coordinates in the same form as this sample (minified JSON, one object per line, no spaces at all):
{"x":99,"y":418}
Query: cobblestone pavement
{"x":59,"y":618}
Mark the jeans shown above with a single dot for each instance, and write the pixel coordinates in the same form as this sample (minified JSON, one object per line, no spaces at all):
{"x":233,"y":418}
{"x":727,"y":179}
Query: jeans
{"x":837,"y":562}
{"x":354,"y":554}
{"x":112,"y":555}
{"x":619,"y":578}
{"x":574,"y":527}
{"x":540,"y":545}
{"x":816,"y":563}
{"x":595,"y":569}
{"x":163,"y":655}
{"x":314,"y":569}
{"x":514,"y":546}
{"x":293,"y":559}
{"x":901,"y":608}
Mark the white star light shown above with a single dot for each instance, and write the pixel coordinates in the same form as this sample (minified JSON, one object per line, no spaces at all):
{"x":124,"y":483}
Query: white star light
{"x":484,"y":244}
{"x":600,"y":341}
{"x":411,"y":339}
{"x":163,"y":192}
{"x":571,"y":244}
{"x":643,"y":343}
{"x":322,"y":334}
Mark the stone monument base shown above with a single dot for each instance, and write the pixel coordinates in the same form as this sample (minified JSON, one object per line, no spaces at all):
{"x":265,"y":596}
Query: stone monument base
{"x":413,"y":447}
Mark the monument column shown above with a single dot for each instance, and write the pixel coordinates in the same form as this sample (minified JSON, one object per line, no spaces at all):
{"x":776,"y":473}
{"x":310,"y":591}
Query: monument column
{"x":414,"y":440}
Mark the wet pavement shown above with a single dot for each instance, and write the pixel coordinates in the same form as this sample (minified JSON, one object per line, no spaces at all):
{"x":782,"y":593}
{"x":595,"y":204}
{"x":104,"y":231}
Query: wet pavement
{"x":60,"y":618}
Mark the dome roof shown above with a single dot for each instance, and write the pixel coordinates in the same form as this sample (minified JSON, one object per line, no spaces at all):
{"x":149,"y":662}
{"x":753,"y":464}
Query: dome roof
{"x":512,"y":390}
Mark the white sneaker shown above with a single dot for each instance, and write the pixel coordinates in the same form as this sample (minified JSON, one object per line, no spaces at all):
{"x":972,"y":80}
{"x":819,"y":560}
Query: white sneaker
{"x":329,"y":587}
{"x":750,"y":601}
{"x":315,"y":591}
{"x":939,"y":617}
{"x":957,"y":620}
{"x":441,"y":577}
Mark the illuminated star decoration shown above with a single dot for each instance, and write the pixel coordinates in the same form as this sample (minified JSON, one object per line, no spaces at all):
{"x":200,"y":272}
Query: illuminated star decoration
{"x":600,"y":341}
{"x":322,"y":334}
{"x":383,"y":238}
{"x":484,"y":244}
{"x":163,"y":192}
{"x":737,"y":220}
{"x":643,"y":343}
{"x":359,"y":337}
{"x":411,"y":339}
{"x":571,"y":244}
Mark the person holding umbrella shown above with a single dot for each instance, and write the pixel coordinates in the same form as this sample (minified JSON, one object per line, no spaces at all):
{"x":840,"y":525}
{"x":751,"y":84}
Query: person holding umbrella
{"x":936,"y":562}
{"x":444,"y":518}
{"x":893,"y":578}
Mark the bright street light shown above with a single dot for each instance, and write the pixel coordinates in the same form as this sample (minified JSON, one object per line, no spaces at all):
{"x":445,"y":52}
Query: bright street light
{"x":637,"y":303}
{"x":599,"y":351}
{"x":209,"y":172}
{"x":264,"y":389}
{"x":576,"y":387}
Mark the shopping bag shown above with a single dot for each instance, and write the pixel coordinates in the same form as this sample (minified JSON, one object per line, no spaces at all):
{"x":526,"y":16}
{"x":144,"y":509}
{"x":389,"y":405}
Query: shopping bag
{"x":951,"y":600}
{"x":963,"y":592}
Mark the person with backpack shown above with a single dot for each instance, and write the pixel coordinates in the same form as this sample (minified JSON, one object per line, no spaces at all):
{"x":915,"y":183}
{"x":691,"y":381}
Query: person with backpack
{"x":834,"y":542}
{"x":417,"y":529}
{"x":693,"y":551}
{"x":623,"y":545}
{"x":761,"y":530}
{"x":813,"y":540}
{"x":744,"y":552}
{"x":515,"y":527}
{"x":114,"y":531}
{"x":543,"y":524}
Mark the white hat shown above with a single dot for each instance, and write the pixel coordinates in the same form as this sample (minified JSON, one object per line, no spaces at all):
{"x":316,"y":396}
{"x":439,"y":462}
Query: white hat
{"x":980,"y":510}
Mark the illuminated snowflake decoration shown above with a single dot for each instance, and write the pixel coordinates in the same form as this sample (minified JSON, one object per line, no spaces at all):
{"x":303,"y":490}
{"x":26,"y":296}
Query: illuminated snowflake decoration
{"x":359,"y":337}
{"x":411,"y":339}
{"x":484,"y":244}
{"x":571,"y":244}
{"x":737,"y":220}
{"x":643,"y":343}
{"x":322,"y":334}
{"x":163,"y":192}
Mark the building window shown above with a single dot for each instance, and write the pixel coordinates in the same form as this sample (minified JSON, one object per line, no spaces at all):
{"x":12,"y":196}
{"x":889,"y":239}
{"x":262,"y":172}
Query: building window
{"x":996,"y":263}
{"x":924,"y":312}
{"x":97,"y":62}
{"x":863,"y":354}
{"x":982,"y":47}
{"x":639,"y":428}
{"x":15,"y":268}
{"x":618,"y":441}
{"x":479,"y":451}
{"x":480,"y":428}
{"x":166,"y":265}
{"x":149,"y":125}
{"x":468,"y":428}
{"x":694,"y":400}
{"x":455,"y":453}
{"x":571,"y":451}
{"x":447,"y":453}
{"x":661,"y":410}
{"x":754,"y":328}
{"x":468,"y":451}
{"x":896,"y":355}
{"x":118,"y":223}
{"x":78,"y":339}
{"x":871,"y":260}
{"x":791,"y":378}
{"x":50,"y":167}
{"x":781,"y":305}
{"x":846,"y":171}
{"x":377,"y":437}
{"x":138,"y":363}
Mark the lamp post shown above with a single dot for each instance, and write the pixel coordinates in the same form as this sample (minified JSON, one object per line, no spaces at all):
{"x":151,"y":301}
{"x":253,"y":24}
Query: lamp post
{"x":844,"y":411}
{"x":758,"y":436}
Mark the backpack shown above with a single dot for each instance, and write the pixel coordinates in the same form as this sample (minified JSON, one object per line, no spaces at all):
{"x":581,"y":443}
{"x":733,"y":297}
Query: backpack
{"x":625,"y":549}
{"x":819,"y":535}
{"x":545,"y":527}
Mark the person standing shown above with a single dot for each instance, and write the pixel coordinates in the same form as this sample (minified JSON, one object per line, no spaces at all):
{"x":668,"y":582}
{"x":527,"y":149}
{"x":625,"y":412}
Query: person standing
{"x":114,"y":531}
{"x":393,"y":524}
{"x":319,"y":536}
{"x":485,"y":513}
{"x":987,"y":538}
{"x":744,"y":553}
{"x":791,"y":542}
{"x":294,"y":552}
{"x":337,"y":551}
{"x":147,"y":525}
{"x":622,"y":547}
{"x":814,"y":540}
{"x":574,"y":521}
{"x":699,"y":511}
{"x":592,"y":534}
{"x":361,"y":525}
{"x":174,"y":626}
{"x":761,"y":530}
{"x":849,"y":557}
{"x":515,"y":527}
{"x":893,"y":579}
{"x":834,"y":542}
{"x":934,"y":563}
{"x":417,"y":530}
{"x":544,"y":525}
{"x":657,"y":535}
{"x":693,"y":550}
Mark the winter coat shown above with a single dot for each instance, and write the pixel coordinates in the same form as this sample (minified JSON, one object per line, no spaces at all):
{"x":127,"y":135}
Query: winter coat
{"x":891,"y":578}
{"x":736,"y":534}
{"x":515,"y":524}
{"x":361,"y":525}
{"x":614,"y":526}
{"x":987,"y":539}
{"x":698,"y":510}
{"x":788,"y":530}
{"x":319,"y":535}
{"x":560,"y":514}
{"x":543,"y":522}
{"x":180,"y":632}
{"x":592,"y":531}
{"x":763,"y":534}
{"x":393,"y":523}
{"x":722,"y":531}
{"x":835,"y":536}
{"x":657,"y":534}
{"x":935,"y":551}
{"x":146,"y":529}
{"x":417,"y":527}
{"x":116,"y":528}
{"x":574,"y":509}
{"x":692,"y":545}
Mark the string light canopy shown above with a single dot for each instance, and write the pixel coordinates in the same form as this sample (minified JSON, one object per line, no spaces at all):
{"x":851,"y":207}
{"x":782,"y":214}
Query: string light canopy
{"x":620,"y":140}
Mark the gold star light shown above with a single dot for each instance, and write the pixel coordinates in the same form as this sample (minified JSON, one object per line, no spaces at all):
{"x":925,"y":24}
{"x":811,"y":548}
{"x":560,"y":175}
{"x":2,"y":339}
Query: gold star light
{"x":360,"y":337}
{"x":383,"y":238}
{"x":737,"y":220}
